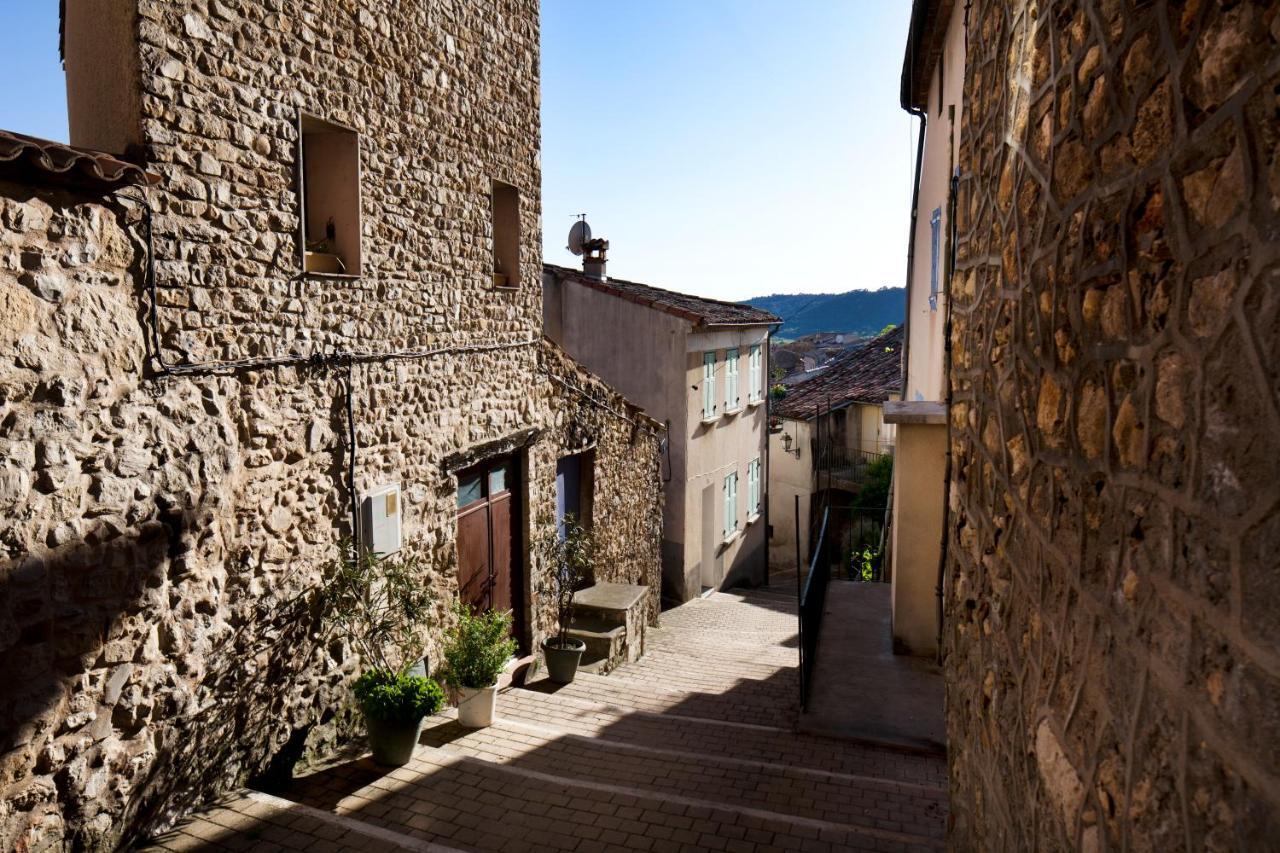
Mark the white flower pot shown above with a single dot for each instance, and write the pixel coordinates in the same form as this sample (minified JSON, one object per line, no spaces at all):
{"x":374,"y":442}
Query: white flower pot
{"x":477,"y":706}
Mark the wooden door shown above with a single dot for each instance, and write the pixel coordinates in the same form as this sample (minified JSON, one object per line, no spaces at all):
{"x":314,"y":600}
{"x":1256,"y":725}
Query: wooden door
{"x":489,"y":576}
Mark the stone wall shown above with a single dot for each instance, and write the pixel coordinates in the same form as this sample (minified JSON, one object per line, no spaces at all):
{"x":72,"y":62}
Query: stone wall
{"x":1113,"y":648}
{"x":163,"y":531}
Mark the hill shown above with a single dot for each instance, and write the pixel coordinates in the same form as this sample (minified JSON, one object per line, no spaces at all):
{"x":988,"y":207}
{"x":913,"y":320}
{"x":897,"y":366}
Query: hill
{"x":863,"y":312}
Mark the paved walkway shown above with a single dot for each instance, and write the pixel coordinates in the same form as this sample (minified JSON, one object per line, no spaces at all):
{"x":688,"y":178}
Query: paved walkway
{"x":691,"y":748}
{"x":861,"y":689}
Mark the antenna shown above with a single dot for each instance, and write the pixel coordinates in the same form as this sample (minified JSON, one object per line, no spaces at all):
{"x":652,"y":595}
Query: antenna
{"x":579,"y":235}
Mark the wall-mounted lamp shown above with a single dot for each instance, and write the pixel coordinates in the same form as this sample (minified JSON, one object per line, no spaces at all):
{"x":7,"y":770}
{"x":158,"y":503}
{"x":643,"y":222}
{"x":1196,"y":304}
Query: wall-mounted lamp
{"x":787,"y":441}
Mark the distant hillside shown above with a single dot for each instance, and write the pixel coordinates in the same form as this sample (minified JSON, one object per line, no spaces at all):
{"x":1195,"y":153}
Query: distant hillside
{"x":863,"y":312}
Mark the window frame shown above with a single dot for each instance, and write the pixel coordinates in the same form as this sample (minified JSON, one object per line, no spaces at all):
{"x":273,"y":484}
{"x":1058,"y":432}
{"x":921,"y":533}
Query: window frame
{"x":709,"y":402}
{"x":502,"y":194}
{"x":755,"y":367}
{"x":730,"y":505}
{"x":753,"y":489}
{"x":306,"y":126}
{"x":732,"y":400}
{"x":935,"y":228}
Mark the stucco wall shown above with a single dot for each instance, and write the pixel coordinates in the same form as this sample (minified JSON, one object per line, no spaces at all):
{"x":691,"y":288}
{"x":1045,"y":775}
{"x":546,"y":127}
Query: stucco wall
{"x":728,"y":443}
{"x":918,"y":475}
{"x":789,"y":476}
{"x":925,"y":322}
{"x":1113,"y":648}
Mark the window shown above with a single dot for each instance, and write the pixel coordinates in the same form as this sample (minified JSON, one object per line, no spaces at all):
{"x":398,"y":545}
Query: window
{"x":753,"y":488}
{"x":505,"y":203}
{"x":708,"y":385}
{"x":755,"y":368}
{"x":935,"y":225}
{"x":731,"y":380}
{"x":329,"y":166}
{"x":730,"y":505}
{"x":575,"y":476}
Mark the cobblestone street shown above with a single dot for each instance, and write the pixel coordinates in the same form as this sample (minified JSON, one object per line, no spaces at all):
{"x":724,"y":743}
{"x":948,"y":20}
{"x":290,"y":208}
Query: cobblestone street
{"x":690,"y":748}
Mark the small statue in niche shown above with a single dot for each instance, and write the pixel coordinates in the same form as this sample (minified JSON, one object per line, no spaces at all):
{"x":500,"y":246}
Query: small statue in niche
{"x":329,"y":242}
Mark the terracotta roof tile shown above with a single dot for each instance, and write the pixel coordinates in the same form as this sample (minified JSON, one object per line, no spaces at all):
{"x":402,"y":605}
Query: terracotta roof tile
{"x":696,"y":309}
{"x":868,"y":374}
{"x":25,"y":154}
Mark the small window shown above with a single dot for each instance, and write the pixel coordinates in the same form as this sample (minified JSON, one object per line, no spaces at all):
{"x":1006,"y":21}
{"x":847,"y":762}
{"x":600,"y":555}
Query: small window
{"x":329,"y":163}
{"x":470,"y":490}
{"x":497,"y":481}
{"x":731,"y":401}
{"x":730,"y":505}
{"x":753,"y":488}
{"x":506,"y":235}
{"x":935,"y":225}
{"x":708,"y":385}
{"x":755,"y":367}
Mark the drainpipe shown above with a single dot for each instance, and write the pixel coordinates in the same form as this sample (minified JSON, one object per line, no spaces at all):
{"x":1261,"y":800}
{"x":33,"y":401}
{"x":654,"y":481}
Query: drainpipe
{"x":768,"y":440}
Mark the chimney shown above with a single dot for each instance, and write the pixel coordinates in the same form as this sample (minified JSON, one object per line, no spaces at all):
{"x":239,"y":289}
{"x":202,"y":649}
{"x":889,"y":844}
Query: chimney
{"x":594,"y":260}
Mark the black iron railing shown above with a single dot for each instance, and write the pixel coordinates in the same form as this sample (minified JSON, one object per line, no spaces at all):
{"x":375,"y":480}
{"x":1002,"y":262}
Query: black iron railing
{"x":813,"y":596}
{"x":858,"y":537}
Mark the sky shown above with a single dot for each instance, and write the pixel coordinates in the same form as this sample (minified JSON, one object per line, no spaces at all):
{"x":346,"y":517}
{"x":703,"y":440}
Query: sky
{"x":728,"y":148}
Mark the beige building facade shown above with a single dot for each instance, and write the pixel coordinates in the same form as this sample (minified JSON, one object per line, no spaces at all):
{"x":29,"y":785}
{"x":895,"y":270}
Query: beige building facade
{"x":932,"y":85}
{"x":205,"y":381}
{"x":700,"y":367}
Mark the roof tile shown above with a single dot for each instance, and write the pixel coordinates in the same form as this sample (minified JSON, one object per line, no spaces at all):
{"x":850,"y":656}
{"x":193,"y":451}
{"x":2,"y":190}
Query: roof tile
{"x":696,"y":309}
{"x":24,"y":154}
{"x":867,"y":374}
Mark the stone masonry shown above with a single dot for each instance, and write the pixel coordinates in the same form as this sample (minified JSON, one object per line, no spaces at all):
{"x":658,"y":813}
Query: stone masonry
{"x":1112,"y":638}
{"x":163,"y":529}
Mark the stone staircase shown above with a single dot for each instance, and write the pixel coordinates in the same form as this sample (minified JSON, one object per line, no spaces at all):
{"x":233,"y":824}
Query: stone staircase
{"x":691,"y":746}
{"x":609,"y":619}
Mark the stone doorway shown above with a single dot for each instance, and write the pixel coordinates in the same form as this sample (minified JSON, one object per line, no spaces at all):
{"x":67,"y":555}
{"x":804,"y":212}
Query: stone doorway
{"x":490,"y":574}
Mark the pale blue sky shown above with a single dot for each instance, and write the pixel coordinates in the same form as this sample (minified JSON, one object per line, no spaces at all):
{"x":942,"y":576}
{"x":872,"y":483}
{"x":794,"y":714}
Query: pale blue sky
{"x":729,"y":148}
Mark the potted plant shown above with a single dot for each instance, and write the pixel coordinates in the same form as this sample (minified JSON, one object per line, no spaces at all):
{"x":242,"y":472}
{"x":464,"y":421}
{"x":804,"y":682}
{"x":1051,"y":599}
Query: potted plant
{"x":570,"y":550}
{"x":475,"y":651}
{"x":380,"y":607}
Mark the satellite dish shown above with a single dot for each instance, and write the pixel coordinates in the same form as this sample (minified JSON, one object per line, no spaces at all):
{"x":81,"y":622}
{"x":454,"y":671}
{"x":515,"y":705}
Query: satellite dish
{"x":579,"y":236}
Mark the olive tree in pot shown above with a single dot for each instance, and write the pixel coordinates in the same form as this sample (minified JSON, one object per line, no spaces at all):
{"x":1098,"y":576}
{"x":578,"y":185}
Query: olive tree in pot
{"x":380,"y":607}
{"x":570,"y":550}
{"x":475,"y":651}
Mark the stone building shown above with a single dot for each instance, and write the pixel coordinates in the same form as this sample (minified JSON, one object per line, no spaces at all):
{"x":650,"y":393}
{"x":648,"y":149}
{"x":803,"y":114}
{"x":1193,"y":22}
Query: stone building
{"x":322,"y":278}
{"x":1112,"y":594}
{"x":698,"y":365}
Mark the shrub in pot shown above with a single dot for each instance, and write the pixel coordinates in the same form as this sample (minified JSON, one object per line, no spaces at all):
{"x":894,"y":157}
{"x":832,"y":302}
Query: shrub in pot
{"x":570,"y":551}
{"x":380,"y":607}
{"x":476,"y":650}
{"x":394,"y":705}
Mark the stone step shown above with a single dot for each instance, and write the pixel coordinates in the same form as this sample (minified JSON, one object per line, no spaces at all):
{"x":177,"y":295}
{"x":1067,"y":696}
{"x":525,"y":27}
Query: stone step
{"x":725,"y":780}
{"x":584,"y":714}
{"x":450,"y":796}
{"x":252,"y":820}
{"x":757,"y":702}
{"x":604,"y":638}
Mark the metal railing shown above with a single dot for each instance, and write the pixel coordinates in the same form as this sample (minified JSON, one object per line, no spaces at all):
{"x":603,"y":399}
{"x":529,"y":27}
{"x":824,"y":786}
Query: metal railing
{"x":858,"y":537}
{"x":812,"y":589}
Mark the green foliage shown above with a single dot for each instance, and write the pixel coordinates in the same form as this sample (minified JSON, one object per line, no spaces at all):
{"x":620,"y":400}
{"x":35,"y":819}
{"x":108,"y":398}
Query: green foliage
{"x":864,"y":562}
{"x":380,"y":605}
{"x":477,"y":648}
{"x":572,"y":557}
{"x":874,"y":489}
{"x":853,"y":312}
{"x":778,"y":391}
{"x":887,"y":329}
{"x":396,"y":697}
